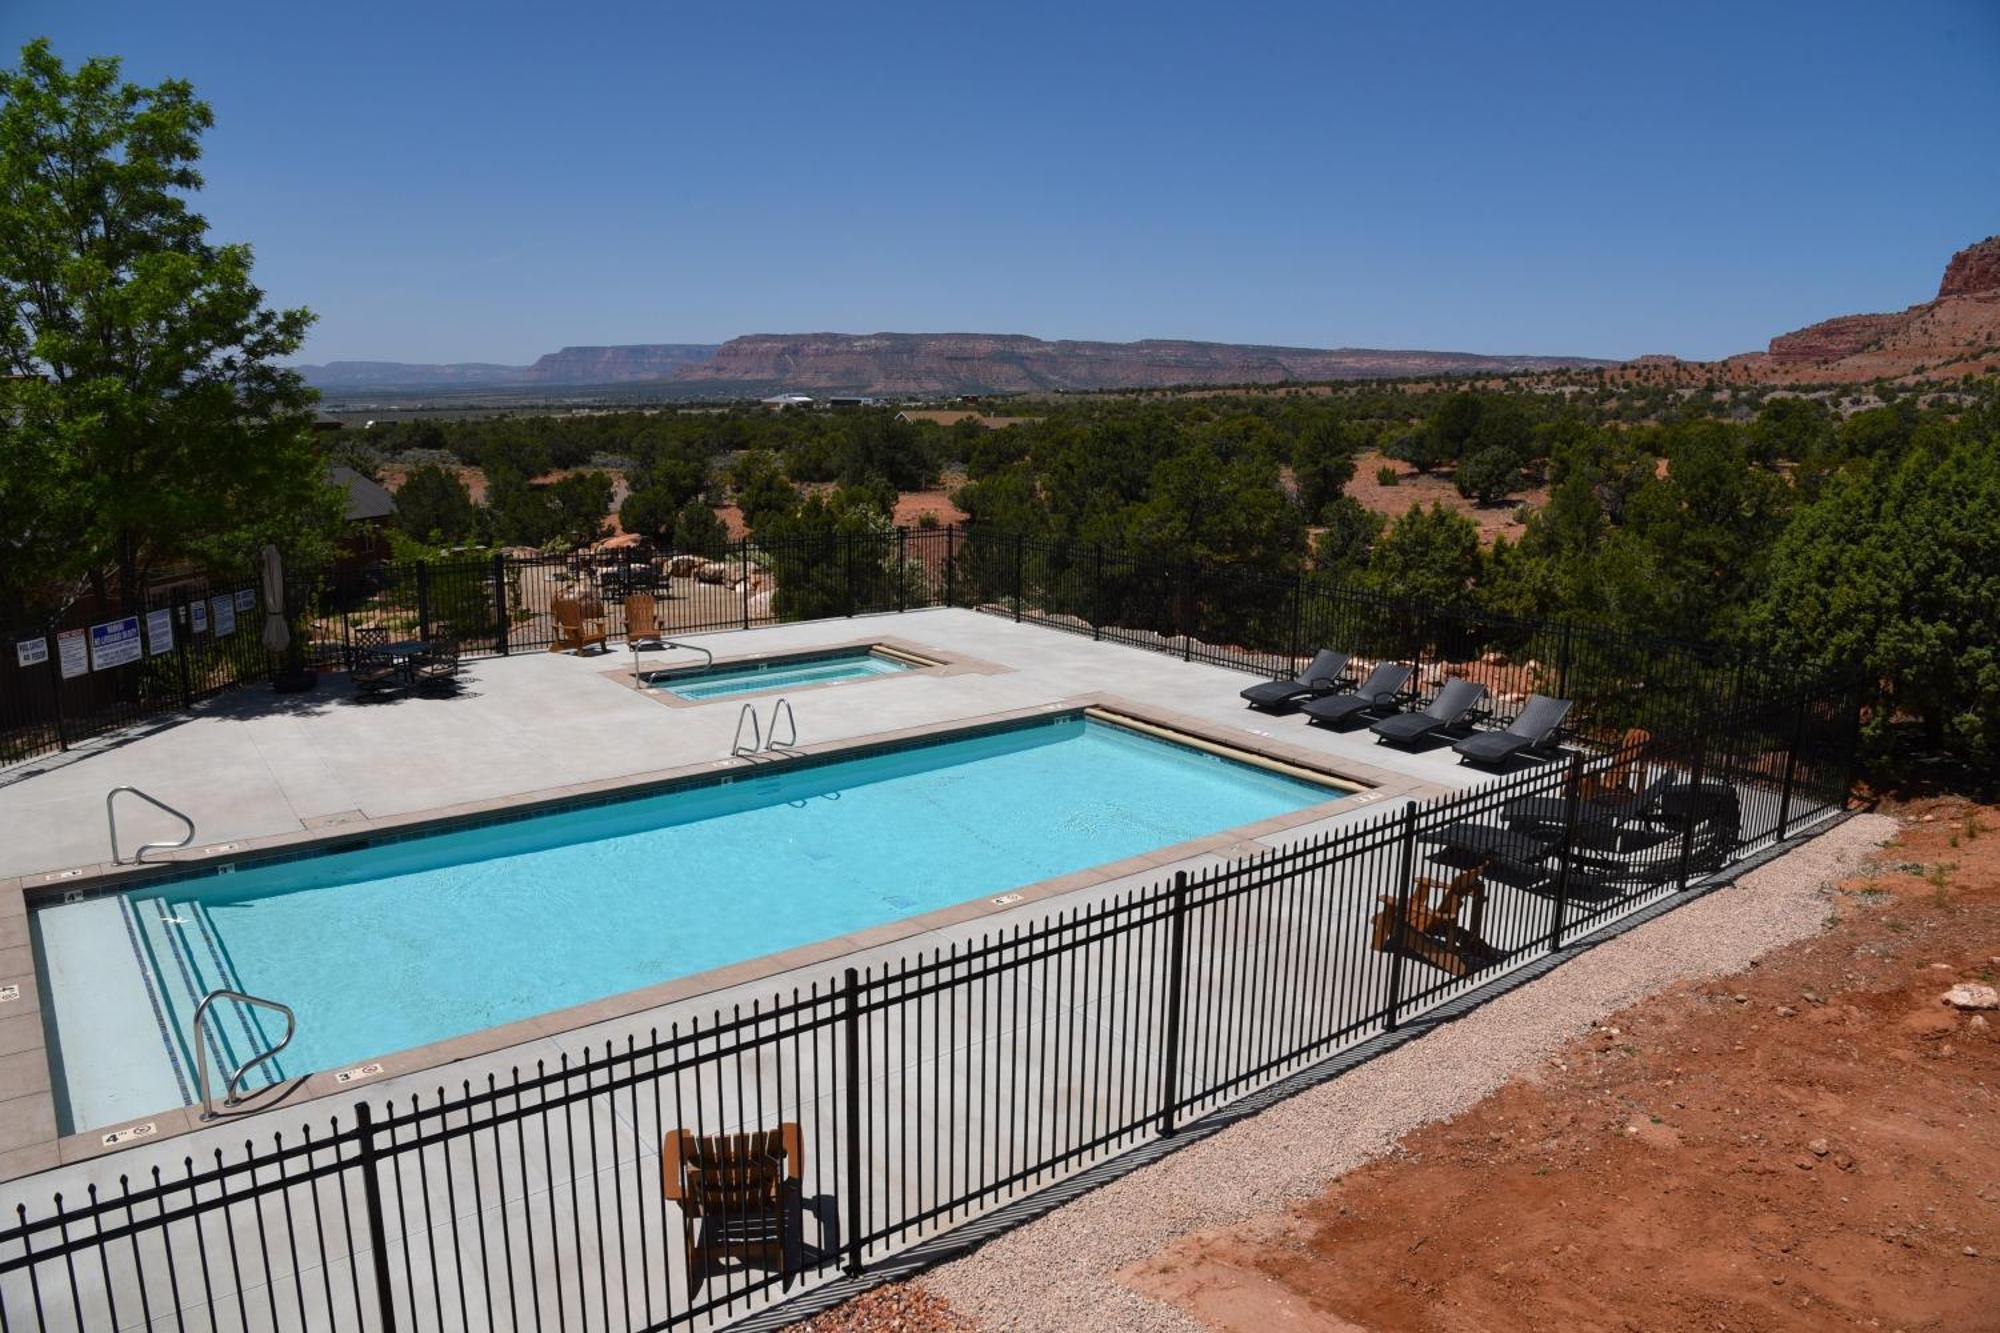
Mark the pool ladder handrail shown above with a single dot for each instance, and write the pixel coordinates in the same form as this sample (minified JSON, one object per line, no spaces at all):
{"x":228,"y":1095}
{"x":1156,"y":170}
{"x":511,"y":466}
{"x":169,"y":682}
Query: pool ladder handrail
{"x":783,"y":708}
{"x":661,"y":645}
{"x":229,"y":1097}
{"x":758,"y":743}
{"x":111,"y":821}
{"x":748,"y":711}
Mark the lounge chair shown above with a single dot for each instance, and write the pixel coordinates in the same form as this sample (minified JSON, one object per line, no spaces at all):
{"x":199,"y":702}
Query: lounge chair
{"x":738,"y":1195}
{"x":1455,"y":704}
{"x":438,"y":667}
{"x":579,"y":624}
{"x":1604,"y":796}
{"x":1378,"y":694}
{"x":1324,"y":675}
{"x":1540,"y":719}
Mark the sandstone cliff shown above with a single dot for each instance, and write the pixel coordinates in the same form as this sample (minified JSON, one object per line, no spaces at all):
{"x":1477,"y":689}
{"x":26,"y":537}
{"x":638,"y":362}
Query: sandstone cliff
{"x":1957,"y":333}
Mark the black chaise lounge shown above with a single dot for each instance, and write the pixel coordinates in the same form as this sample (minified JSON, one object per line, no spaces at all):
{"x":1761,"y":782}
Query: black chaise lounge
{"x":1541,"y":718}
{"x":1454,"y":704}
{"x":1324,"y":675}
{"x":1379,"y":694}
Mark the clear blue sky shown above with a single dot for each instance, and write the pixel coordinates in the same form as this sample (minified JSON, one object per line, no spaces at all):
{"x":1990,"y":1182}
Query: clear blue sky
{"x":491,"y":181}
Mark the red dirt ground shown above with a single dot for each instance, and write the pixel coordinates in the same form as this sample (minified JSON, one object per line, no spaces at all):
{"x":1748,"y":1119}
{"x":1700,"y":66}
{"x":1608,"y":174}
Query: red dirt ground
{"x":1808,"y":1145}
{"x":1412,"y":490}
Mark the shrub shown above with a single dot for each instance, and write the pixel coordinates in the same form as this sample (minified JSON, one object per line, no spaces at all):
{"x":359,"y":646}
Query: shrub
{"x":1387,"y":476}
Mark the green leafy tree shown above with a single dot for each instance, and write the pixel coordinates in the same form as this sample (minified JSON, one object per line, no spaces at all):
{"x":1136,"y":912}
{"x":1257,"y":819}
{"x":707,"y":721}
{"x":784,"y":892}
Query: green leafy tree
{"x":580,"y":505}
{"x":1791,"y":429}
{"x":434,"y":505}
{"x":762,"y":492}
{"x":650,"y":512}
{"x":1323,"y":464}
{"x":697,"y":529}
{"x":831,"y":554}
{"x":1349,"y":532}
{"x":1894,"y":570}
{"x":1430,"y":554}
{"x":146,"y":416}
{"x":1490,"y":475}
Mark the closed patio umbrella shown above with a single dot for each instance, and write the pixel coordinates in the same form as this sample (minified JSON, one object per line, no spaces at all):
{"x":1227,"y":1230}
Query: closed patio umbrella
{"x":277,"y":635}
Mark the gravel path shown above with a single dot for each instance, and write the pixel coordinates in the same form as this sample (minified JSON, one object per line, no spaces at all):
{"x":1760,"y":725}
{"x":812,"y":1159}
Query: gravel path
{"x":1058,"y":1273}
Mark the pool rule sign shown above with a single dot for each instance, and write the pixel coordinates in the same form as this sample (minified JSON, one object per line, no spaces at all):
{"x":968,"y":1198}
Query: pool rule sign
{"x":114,"y":643}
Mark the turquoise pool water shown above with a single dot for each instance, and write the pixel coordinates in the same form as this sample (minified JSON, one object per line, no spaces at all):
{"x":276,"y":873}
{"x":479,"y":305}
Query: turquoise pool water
{"x":721,"y":682}
{"x":410,"y":942}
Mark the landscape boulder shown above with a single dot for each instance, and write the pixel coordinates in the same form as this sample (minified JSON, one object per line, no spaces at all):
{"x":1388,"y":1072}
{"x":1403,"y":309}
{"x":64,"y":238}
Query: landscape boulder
{"x":1972,"y":995}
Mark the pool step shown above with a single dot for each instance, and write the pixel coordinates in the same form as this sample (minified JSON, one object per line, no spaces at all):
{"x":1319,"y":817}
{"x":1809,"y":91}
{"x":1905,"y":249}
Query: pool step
{"x":183,"y":956}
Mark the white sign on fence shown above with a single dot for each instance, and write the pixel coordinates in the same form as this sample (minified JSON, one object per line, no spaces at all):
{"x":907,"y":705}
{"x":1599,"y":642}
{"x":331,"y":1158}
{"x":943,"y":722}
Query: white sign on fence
{"x":160,"y":631}
{"x":246,"y":599}
{"x":114,"y":643}
{"x":31,"y":652}
{"x":223,"y":611}
{"x":74,"y":652}
{"x":198,"y":615}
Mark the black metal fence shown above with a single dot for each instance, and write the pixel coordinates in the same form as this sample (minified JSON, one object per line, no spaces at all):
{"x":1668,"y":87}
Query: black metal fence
{"x":924,"y":1092}
{"x":502,"y":604}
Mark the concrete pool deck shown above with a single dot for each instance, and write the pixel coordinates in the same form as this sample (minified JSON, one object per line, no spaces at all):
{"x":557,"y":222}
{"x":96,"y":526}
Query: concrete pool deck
{"x":260,"y":771}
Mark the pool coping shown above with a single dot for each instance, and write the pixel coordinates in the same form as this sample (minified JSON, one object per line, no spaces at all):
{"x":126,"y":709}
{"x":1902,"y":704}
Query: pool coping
{"x":28,"y":1139}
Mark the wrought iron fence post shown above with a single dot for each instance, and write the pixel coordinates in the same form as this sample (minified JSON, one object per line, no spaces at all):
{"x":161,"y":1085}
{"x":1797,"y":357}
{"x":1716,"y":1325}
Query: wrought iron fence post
{"x":424,"y":599}
{"x":1791,"y":767}
{"x":1852,"y":760}
{"x":847,"y":561}
{"x":1405,"y":881}
{"x":1298,"y":615}
{"x":1696,"y":773}
{"x":56,"y":682}
{"x":500,"y":602}
{"x":1170,"y":1059}
{"x":183,"y":631}
{"x":851,"y":1038}
{"x":1565,"y":647}
{"x":743,"y":560}
{"x":950,"y":564}
{"x":378,"y":1232}
{"x":1020,"y":572}
{"x":1097,"y":597}
{"x":902,"y":565}
{"x":1572,"y":799}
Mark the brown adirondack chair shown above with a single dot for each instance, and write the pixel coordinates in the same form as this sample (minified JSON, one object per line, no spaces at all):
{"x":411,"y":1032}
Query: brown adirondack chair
{"x":1615,"y":782}
{"x":579,"y":623}
{"x":642,"y":621}
{"x":1431,"y":932}
{"x":738,"y":1196}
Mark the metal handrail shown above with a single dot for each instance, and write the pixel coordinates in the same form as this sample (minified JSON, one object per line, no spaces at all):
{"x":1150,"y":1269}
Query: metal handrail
{"x":783,"y":708}
{"x":229,"y":1097}
{"x":111,"y":820}
{"x":661,"y":645}
{"x":756,"y":732}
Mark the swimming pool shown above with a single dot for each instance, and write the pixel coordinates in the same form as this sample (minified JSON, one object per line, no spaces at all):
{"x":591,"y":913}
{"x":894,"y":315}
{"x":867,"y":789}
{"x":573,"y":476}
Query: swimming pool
{"x":411,"y":941}
{"x":704,"y":683}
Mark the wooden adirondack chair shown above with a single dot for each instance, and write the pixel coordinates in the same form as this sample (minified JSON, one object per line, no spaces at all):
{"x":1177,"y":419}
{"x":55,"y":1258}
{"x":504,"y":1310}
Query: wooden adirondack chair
{"x":738,"y":1195}
{"x":642,"y":621}
{"x":1431,"y":932}
{"x":1615,"y":782}
{"x":579,"y":623}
